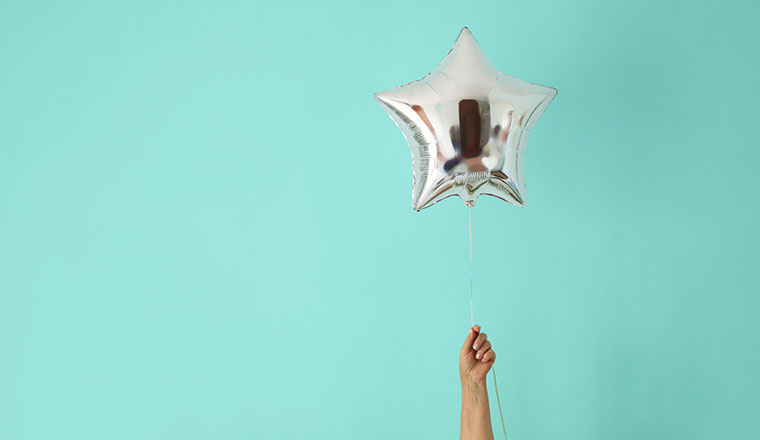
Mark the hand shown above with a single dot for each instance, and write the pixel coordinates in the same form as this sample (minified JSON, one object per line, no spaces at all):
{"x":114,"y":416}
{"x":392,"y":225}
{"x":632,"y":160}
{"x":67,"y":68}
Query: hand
{"x":476,"y":357}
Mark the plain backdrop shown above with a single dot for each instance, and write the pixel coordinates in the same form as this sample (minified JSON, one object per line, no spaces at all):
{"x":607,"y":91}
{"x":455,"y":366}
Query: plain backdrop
{"x":206,"y":226}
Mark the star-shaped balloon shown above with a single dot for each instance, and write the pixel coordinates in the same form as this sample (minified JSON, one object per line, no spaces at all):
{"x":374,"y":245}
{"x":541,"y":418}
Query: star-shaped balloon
{"x":467,"y":125}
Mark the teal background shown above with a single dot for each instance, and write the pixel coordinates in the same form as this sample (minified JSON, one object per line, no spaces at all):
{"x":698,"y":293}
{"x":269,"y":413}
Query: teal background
{"x":206,"y":232}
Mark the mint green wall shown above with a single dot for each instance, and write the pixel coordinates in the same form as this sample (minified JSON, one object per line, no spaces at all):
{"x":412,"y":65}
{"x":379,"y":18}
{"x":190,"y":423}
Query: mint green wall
{"x":206,"y":232}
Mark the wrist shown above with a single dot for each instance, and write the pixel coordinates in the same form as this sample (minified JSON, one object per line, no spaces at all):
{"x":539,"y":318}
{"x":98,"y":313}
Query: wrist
{"x":472,"y":383}
{"x":474,"y":393}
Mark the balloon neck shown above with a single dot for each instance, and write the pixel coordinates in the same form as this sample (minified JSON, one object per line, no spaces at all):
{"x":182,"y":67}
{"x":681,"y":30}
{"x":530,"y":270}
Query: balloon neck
{"x":469,"y":203}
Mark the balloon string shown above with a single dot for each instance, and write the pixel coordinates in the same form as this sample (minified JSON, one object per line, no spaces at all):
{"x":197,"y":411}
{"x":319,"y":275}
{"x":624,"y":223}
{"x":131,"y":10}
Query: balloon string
{"x":472,"y":322}
{"x":469,"y":224}
{"x":498,"y":401}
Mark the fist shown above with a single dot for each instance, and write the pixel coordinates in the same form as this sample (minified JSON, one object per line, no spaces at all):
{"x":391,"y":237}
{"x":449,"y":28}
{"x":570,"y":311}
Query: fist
{"x":476,"y":357}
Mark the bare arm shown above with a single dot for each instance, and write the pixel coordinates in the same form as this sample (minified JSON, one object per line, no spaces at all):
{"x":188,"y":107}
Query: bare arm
{"x":475,"y":360}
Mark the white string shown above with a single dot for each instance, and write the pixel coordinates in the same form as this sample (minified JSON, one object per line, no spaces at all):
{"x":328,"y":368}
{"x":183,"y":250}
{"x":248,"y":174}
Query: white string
{"x":469,"y":222}
{"x":472,"y":321}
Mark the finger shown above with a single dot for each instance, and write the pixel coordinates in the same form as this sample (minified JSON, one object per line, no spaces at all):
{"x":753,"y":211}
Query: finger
{"x":483,"y":349}
{"x":479,"y":341}
{"x":474,"y":331}
{"x":489,"y":356}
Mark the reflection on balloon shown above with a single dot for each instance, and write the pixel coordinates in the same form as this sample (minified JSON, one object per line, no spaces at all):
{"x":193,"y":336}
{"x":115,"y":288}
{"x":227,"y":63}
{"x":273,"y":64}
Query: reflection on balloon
{"x":467,"y":125}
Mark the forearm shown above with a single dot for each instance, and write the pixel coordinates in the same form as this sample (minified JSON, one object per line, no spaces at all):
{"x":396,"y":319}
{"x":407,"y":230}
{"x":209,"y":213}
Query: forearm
{"x":476,"y":415}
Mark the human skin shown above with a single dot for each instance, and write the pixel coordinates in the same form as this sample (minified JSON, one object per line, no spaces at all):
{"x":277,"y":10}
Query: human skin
{"x":475,"y":360}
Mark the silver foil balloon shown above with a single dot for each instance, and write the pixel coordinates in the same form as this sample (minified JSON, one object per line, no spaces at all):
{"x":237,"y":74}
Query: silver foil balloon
{"x":467,"y":125}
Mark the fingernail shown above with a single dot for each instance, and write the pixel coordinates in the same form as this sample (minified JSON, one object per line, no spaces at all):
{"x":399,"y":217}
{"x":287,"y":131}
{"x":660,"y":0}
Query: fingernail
{"x":477,"y":356}
{"x":474,"y":346}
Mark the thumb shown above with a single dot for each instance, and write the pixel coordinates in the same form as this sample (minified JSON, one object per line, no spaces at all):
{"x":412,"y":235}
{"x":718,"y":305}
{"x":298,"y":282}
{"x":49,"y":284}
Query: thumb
{"x":474,"y":332}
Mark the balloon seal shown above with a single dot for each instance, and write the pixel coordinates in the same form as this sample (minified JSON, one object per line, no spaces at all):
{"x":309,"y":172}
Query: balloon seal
{"x":469,"y":203}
